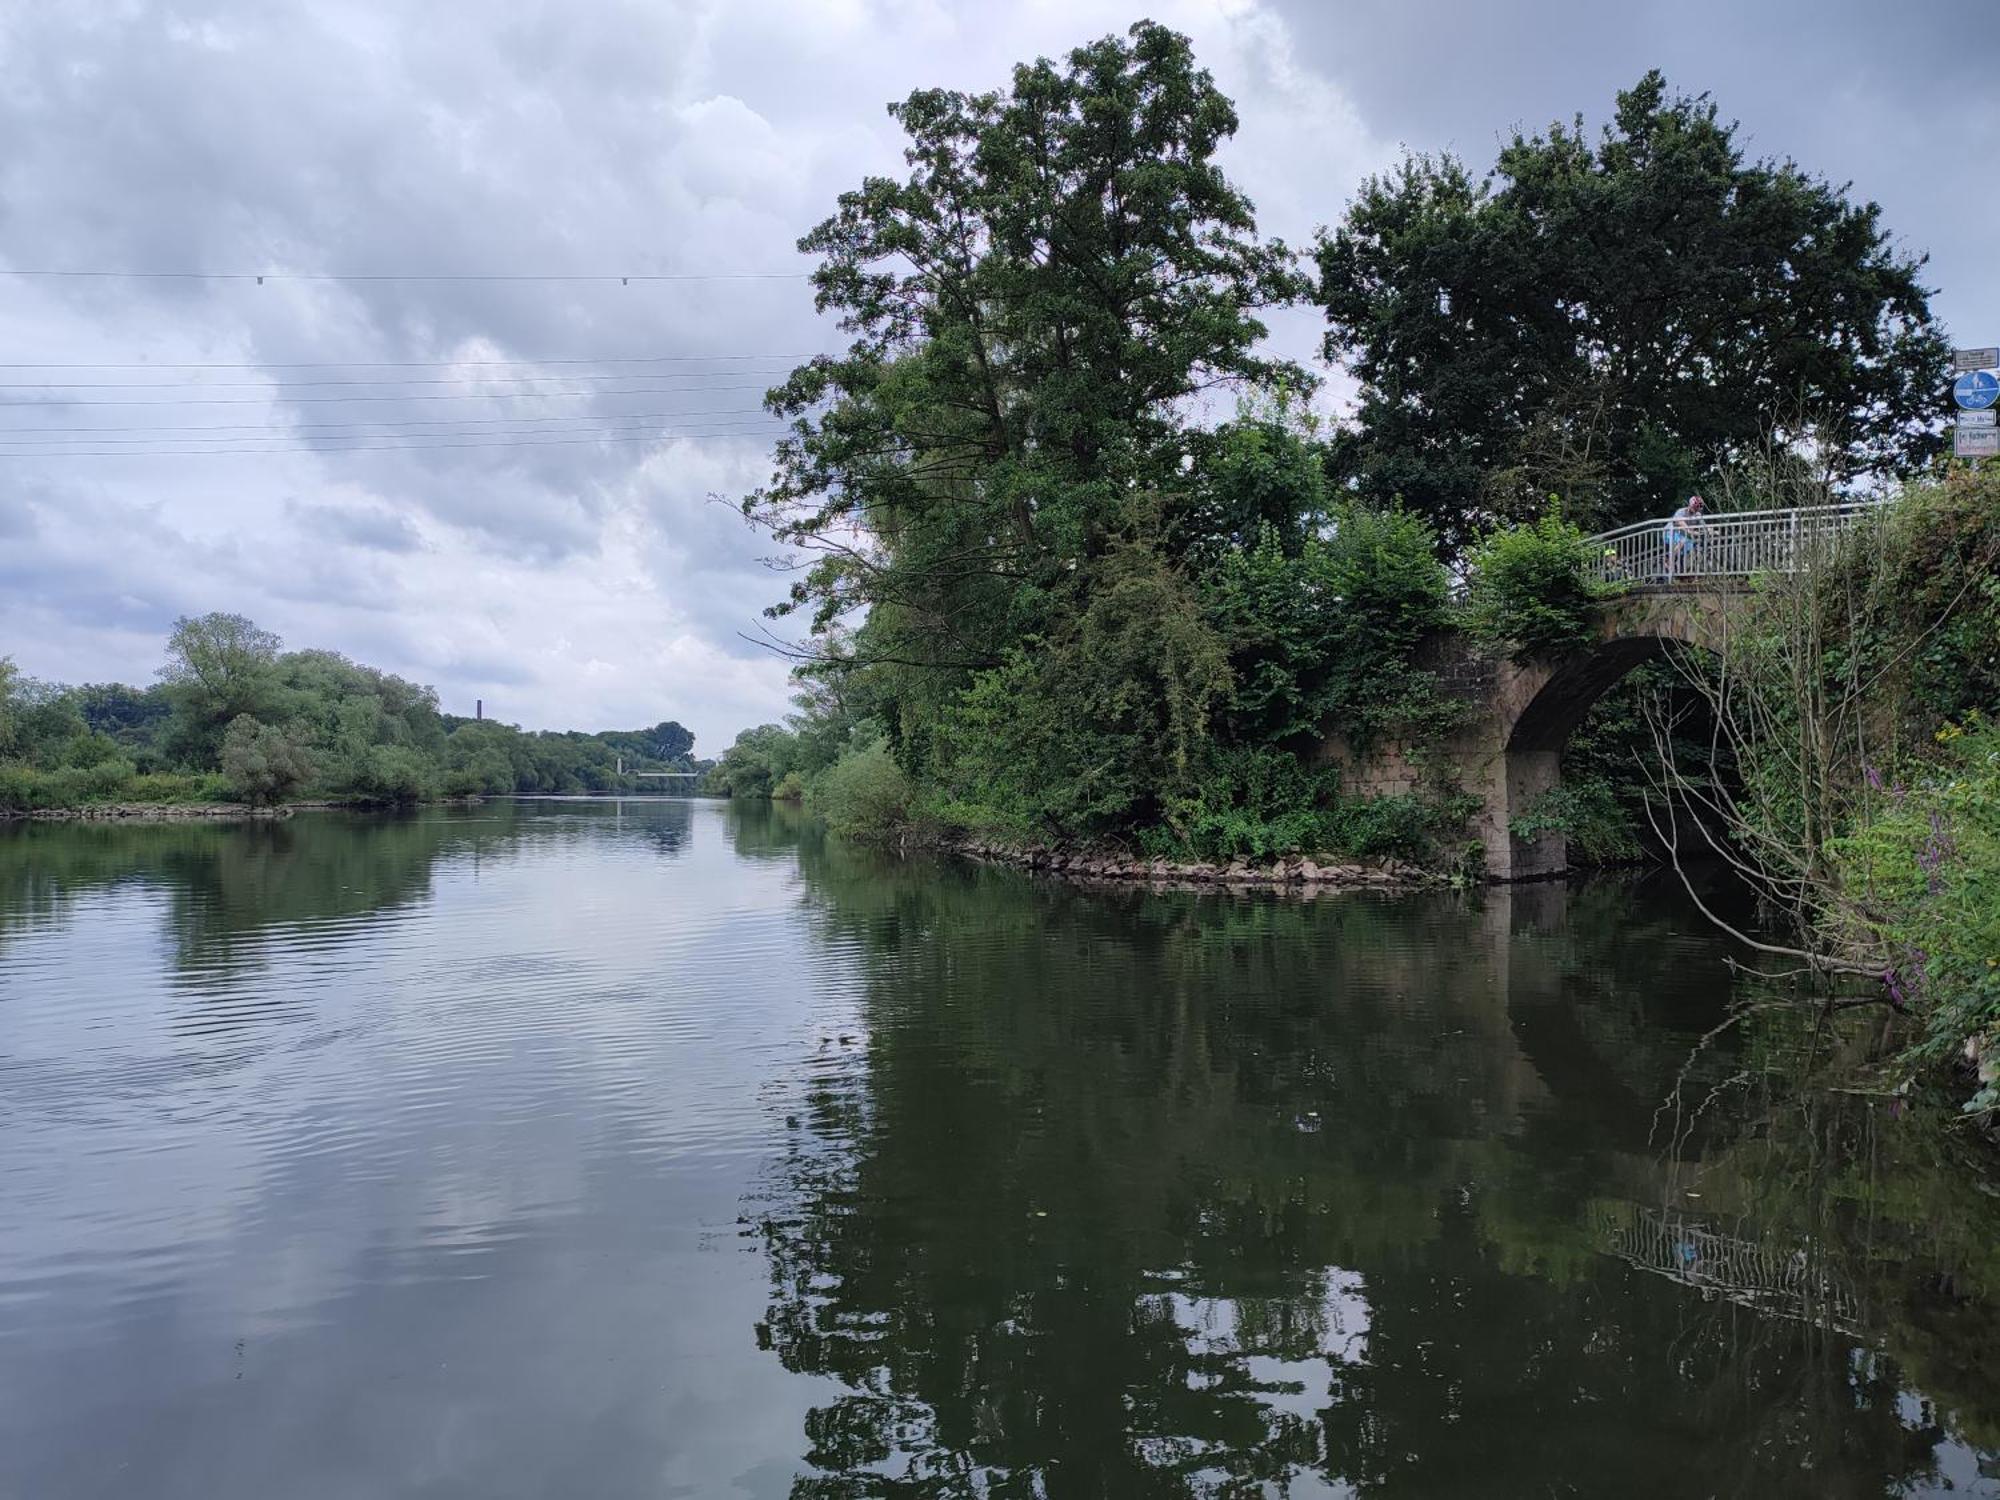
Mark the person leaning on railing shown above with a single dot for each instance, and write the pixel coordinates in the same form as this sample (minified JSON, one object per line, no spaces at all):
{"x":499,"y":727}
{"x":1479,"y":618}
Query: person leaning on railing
{"x":1680,"y":534}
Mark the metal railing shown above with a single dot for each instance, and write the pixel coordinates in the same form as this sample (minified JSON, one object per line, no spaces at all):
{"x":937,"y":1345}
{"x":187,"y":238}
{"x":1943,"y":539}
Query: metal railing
{"x":1736,"y":545}
{"x":1791,"y":1281}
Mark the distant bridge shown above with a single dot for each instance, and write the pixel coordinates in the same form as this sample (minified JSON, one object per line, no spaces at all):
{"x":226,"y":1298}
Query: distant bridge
{"x":653,"y":775}
{"x":1509,"y":752}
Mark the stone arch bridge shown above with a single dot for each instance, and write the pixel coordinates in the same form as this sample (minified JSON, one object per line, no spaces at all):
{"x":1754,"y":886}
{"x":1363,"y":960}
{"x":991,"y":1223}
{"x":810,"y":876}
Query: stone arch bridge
{"x":1508,"y":752}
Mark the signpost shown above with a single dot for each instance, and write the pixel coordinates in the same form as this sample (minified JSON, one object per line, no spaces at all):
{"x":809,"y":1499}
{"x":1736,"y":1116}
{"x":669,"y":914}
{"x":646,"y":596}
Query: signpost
{"x":1976,"y":390}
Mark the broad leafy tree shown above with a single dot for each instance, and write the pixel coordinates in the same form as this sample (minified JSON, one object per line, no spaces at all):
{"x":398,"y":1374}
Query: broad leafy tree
{"x":1612,"y":316}
{"x":1032,"y":307}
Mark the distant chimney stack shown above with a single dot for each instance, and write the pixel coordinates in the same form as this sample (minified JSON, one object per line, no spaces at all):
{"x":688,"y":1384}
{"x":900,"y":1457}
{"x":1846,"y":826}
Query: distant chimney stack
{"x":478,"y":708}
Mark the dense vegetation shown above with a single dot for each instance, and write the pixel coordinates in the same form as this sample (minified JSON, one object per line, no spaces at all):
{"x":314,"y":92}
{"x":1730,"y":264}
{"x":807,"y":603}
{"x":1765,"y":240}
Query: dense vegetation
{"x":1048,"y":600}
{"x":233,"y":716}
{"x":1611,"y":318}
{"x":1858,"y":698}
{"x":1051,"y":599}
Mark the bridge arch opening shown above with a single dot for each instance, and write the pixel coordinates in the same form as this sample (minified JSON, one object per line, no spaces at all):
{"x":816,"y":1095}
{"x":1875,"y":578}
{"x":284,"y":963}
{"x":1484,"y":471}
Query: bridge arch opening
{"x":1551,"y":704}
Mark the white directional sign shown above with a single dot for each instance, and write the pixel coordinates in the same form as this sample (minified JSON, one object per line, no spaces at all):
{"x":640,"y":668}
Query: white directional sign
{"x":1963,"y":360}
{"x":1976,"y":442}
{"x":1987,"y":418}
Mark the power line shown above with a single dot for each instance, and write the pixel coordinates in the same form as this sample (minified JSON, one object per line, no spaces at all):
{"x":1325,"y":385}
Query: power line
{"x":625,"y":278}
{"x":171,"y":443}
{"x":456,"y":396}
{"x":746,"y":431}
{"x":417,"y":364}
{"x":11,"y":434}
{"x":272,"y":385}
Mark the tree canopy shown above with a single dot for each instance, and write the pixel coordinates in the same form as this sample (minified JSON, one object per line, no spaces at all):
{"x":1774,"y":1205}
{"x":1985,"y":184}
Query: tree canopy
{"x":1610,"y":318}
{"x":236,"y":715}
{"x":1062,"y":268}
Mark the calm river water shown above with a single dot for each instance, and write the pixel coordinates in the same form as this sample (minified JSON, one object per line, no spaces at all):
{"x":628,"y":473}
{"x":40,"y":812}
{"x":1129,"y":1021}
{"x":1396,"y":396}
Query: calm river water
{"x":667,"y":1148}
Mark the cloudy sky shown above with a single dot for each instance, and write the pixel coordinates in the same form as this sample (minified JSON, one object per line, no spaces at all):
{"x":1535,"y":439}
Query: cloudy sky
{"x":463,"y":480}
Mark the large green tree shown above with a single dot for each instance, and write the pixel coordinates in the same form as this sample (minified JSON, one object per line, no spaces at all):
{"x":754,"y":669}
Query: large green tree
{"x":1032,"y":308}
{"x":219,"y":667}
{"x":1612,"y":316}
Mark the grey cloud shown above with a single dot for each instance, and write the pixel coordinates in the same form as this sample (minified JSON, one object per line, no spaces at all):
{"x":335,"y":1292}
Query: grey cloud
{"x":595,"y":579}
{"x":372,"y":527}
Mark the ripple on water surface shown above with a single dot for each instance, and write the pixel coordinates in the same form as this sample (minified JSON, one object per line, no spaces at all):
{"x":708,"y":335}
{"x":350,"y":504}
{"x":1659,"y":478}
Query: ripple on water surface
{"x":654,"y":1147}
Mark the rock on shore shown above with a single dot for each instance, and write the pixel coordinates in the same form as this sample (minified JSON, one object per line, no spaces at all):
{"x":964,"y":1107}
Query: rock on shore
{"x":145,"y":812}
{"x":1294,"y":871}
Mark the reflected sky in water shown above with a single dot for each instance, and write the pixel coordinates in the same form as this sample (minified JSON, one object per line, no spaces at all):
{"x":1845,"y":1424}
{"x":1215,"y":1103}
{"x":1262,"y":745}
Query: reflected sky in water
{"x":670,"y":1148}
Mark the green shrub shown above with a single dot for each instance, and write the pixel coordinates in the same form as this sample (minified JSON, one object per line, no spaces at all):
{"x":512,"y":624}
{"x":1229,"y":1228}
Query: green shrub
{"x":26,"y":788}
{"x":263,"y":763}
{"x":178,"y":787}
{"x":864,"y":794}
{"x":393,"y":774}
{"x":1095,"y":730}
{"x":1531,"y":595}
{"x":1324,"y":637}
{"x":1586,"y":811}
{"x":1927,"y":868}
{"x":1251,"y":802}
{"x":1430,"y":830}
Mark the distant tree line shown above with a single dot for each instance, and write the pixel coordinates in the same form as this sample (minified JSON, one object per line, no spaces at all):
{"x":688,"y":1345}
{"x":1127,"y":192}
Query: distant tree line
{"x":235,"y":716}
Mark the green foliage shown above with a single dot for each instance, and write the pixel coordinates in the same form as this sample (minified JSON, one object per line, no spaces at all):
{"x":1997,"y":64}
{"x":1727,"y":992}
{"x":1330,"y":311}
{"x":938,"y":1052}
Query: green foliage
{"x":1605,"y":317}
{"x":26,"y":788}
{"x":865,"y":794}
{"x":1094,"y":730}
{"x":1926,"y":581}
{"x":1252,"y":802}
{"x":336,"y":730}
{"x":1260,"y":804}
{"x":1924,"y":863}
{"x":1589,"y":813}
{"x":1324,"y":636}
{"x":263,"y":762}
{"x":394,"y":774}
{"x":1531,"y":596}
{"x":219,"y":668}
{"x":1063,"y":264}
{"x":755,"y":764}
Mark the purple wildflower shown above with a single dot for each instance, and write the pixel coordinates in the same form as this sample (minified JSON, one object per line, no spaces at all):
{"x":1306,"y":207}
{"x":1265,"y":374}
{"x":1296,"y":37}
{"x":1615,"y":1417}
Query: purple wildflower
{"x":1896,"y":996}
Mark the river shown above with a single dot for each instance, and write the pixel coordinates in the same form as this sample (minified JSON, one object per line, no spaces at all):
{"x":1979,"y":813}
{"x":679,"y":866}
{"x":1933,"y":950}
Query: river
{"x":671,"y":1148}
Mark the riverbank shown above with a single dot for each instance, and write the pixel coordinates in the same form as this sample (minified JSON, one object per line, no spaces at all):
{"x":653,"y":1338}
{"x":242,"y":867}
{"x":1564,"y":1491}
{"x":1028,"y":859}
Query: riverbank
{"x":1296,"y":871}
{"x":143,"y":812}
{"x":197,"y":812}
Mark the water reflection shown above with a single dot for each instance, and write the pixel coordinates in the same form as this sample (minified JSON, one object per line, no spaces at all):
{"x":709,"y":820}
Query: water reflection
{"x":1164,"y":1195}
{"x":579,"y":1148}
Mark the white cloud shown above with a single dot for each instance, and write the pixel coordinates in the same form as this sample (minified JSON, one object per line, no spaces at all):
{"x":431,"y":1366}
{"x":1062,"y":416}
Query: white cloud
{"x":567,"y":583}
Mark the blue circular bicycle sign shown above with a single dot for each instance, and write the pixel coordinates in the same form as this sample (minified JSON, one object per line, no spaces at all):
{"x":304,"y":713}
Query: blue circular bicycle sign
{"x":1976,"y":390}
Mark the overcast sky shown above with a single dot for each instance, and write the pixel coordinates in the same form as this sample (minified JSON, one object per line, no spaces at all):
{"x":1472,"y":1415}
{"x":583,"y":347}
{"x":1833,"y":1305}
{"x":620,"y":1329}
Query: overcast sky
{"x":410,"y":476}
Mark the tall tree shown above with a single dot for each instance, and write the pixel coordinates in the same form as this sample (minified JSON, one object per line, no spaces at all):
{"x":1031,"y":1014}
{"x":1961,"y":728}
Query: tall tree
{"x":218,"y":667}
{"x":1063,"y":267}
{"x":1612,"y":318}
